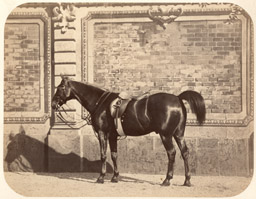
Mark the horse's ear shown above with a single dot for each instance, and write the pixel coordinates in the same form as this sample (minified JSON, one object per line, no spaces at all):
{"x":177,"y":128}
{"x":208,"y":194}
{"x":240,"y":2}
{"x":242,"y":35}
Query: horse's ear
{"x":11,"y":136}
{"x":63,"y":77}
{"x":68,"y":89}
{"x":22,"y":130}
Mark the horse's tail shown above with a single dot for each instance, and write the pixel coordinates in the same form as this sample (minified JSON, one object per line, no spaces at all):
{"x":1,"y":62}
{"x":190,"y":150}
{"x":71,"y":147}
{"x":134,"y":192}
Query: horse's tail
{"x":196,"y":102}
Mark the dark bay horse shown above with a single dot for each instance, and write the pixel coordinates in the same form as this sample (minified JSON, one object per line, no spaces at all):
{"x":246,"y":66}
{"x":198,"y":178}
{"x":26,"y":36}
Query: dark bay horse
{"x":162,"y":113}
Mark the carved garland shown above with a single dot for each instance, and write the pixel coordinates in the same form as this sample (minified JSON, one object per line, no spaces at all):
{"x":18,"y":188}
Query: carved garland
{"x":47,"y":68}
{"x":164,"y":17}
{"x":144,"y":13}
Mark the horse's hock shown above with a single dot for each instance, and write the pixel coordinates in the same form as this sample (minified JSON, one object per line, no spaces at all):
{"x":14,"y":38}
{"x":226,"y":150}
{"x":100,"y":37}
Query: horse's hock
{"x":123,"y":49}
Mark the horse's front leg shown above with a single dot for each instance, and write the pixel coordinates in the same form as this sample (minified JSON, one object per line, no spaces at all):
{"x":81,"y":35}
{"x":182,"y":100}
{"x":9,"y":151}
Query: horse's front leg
{"x":113,"y":148}
{"x":103,"y":153}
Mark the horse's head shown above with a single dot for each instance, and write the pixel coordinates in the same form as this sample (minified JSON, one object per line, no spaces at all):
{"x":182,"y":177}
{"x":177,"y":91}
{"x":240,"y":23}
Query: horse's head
{"x":15,"y":146}
{"x":63,"y":93}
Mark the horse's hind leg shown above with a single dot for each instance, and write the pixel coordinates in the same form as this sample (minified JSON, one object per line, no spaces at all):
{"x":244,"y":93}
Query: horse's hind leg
{"x":185,"y":154}
{"x":171,"y":152}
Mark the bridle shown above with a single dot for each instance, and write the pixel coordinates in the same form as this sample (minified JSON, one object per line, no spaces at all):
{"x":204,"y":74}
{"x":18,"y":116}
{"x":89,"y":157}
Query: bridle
{"x":88,"y":117}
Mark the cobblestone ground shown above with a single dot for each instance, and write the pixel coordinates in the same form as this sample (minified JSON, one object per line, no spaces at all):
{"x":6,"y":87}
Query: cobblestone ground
{"x":130,"y":185}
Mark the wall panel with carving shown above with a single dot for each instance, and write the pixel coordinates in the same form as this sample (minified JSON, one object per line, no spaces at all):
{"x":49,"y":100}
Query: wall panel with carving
{"x":206,"y":49}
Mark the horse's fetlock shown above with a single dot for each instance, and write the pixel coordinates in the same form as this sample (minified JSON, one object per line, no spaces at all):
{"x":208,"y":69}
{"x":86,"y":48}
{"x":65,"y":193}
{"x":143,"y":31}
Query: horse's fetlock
{"x":169,"y":177}
{"x":116,"y":173}
{"x":188,"y":177}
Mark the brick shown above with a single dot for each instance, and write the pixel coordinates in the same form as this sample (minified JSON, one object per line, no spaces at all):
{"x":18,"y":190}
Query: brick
{"x":229,"y":39}
{"x":217,"y":39}
{"x":229,"y":48}
{"x":222,"y":35}
{"x":187,"y":35}
{"x":212,"y":43}
{"x":194,"y":39}
{"x":201,"y":35}
{"x":212,"y":26}
{"x":188,"y":26}
{"x":201,"y":44}
{"x":223,"y":44}
{"x":196,"y":30}
{"x":235,"y":44}
{"x":223,"y":53}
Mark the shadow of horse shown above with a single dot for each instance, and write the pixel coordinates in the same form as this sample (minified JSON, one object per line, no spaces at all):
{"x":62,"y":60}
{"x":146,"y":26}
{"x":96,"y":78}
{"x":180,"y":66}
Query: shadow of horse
{"x":27,"y":154}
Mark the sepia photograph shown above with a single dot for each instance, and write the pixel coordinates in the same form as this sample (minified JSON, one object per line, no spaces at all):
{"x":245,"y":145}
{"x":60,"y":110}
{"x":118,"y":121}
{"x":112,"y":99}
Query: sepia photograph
{"x":128,"y":99}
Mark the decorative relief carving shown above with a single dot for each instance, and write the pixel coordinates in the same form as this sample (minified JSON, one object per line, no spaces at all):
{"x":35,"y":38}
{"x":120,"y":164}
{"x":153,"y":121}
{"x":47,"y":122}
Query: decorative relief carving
{"x":164,"y":17}
{"x":233,"y":16}
{"x":64,"y":14}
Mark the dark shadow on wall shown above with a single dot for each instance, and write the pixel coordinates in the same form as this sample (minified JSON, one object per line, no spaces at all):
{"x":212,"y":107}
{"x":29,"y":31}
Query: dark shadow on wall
{"x":28,"y":154}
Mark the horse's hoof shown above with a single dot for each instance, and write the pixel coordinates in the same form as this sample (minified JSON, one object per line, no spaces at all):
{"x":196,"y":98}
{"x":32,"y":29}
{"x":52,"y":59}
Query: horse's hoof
{"x":166,"y":183}
{"x":114,"y":180}
{"x":100,"y":181}
{"x":187,"y":184}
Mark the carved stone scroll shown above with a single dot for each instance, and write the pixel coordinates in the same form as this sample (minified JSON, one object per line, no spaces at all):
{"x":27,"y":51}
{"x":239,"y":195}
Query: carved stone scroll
{"x":64,"y":15}
{"x":164,"y":17}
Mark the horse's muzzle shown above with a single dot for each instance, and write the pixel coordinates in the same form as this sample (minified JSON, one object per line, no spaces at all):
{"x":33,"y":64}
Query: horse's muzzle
{"x":55,"y":105}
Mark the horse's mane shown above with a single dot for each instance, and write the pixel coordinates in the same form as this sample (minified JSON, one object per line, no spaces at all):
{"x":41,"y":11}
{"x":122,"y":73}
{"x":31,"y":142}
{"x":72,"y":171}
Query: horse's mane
{"x":92,"y":85}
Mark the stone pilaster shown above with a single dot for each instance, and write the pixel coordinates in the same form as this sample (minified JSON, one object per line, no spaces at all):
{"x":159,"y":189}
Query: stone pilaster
{"x":64,"y":151}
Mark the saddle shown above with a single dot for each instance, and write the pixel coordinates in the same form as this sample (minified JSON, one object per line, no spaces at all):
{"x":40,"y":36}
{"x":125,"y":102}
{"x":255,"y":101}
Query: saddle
{"x":118,"y":107}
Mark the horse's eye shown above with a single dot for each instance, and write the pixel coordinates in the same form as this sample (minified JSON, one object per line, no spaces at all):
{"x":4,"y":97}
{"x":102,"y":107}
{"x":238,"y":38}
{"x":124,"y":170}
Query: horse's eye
{"x":62,"y":87}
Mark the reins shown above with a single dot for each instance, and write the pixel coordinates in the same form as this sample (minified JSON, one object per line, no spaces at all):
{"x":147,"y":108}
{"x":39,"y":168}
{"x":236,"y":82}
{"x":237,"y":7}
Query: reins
{"x":88,"y":117}
{"x":69,"y":123}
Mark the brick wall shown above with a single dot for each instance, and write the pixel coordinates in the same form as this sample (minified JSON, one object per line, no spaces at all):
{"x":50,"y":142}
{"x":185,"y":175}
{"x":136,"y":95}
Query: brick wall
{"x":198,"y":55}
{"x":22,"y":68}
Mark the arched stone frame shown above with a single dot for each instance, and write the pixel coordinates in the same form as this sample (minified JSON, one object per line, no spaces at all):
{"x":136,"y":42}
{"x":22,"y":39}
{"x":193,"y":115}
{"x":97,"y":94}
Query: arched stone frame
{"x":44,"y":23}
{"x":213,"y":119}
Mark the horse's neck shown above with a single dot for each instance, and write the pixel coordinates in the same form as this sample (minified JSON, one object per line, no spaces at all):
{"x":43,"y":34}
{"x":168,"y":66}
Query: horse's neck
{"x":86,"y":94}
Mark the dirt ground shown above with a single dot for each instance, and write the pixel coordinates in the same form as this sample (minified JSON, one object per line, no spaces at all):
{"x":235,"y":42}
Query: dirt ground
{"x":130,"y":185}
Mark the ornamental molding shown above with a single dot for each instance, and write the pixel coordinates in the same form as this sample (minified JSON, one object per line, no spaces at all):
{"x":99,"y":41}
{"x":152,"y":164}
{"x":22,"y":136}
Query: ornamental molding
{"x":43,"y":115}
{"x":93,"y":17}
{"x":63,"y":15}
{"x":164,"y":17}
